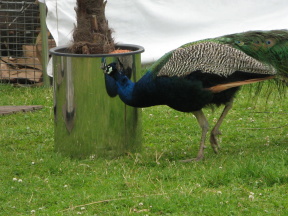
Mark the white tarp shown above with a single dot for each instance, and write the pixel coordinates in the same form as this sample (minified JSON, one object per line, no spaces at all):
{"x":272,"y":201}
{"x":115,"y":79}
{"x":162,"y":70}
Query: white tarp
{"x":162,"y":25}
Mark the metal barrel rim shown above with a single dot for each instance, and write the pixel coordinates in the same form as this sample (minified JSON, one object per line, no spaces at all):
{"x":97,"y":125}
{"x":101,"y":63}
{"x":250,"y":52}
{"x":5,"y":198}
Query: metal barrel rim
{"x":64,"y":51}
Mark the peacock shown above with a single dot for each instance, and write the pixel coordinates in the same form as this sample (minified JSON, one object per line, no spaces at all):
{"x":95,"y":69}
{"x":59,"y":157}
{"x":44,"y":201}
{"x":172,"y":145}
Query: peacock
{"x":204,"y":73}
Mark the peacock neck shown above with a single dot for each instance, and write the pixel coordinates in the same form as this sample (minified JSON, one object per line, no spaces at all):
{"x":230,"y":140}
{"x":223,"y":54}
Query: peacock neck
{"x":140,"y":94}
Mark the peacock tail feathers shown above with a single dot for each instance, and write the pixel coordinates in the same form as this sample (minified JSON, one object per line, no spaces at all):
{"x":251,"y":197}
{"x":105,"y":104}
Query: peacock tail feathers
{"x":269,"y":47}
{"x":263,"y":52}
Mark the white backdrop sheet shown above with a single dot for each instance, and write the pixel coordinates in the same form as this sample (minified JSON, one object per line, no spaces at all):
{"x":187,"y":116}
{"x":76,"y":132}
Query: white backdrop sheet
{"x":162,"y":25}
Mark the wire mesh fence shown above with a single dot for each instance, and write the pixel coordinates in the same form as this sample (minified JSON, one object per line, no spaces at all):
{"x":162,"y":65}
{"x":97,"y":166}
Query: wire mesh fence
{"x":21,"y":46}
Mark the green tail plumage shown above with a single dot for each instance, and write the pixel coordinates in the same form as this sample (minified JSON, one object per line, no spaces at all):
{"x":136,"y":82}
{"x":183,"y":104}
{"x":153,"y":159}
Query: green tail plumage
{"x":270,"y":47}
{"x":267,"y":47}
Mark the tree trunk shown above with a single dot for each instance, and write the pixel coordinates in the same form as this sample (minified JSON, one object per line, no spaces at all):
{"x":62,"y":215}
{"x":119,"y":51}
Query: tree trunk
{"x":92,"y":34}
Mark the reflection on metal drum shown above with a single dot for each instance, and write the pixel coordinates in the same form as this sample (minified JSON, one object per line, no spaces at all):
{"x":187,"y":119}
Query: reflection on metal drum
{"x":88,"y":121}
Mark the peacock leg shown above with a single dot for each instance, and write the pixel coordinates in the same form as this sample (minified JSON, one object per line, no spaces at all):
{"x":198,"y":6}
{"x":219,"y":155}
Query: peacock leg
{"x":202,"y":121}
{"x":215,"y":131}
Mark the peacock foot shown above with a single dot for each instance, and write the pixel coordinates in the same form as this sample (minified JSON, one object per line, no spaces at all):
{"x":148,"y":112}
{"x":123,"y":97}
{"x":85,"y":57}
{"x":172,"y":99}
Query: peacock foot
{"x":198,"y":158}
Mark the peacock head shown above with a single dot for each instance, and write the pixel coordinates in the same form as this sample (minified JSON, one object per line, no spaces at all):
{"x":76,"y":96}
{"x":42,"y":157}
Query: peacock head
{"x":111,"y":68}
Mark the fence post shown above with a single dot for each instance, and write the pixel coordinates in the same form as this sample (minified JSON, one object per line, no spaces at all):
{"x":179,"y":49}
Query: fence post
{"x":44,"y":38}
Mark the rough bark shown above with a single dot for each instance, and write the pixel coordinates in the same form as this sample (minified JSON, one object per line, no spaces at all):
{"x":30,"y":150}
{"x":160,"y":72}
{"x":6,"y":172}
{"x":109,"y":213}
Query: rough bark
{"x":92,"y":34}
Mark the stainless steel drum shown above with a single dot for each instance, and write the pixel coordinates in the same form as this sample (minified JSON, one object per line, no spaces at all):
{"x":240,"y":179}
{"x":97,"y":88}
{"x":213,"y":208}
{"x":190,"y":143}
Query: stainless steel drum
{"x":88,"y":121}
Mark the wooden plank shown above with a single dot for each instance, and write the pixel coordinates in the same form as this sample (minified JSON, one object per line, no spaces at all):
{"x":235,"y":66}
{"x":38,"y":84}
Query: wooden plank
{"x":29,"y":51}
{"x":13,"y":69}
{"x":18,"y":63}
{"x":38,"y":44}
{"x":14,"y":74}
{"x":5,"y":110}
{"x":3,"y":69}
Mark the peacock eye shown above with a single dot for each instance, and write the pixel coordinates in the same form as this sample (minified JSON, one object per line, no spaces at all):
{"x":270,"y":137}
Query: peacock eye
{"x":270,"y":42}
{"x":240,"y":43}
{"x":109,"y":69}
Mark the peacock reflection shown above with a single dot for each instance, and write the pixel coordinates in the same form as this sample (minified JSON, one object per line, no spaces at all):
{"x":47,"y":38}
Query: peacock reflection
{"x":123,"y":64}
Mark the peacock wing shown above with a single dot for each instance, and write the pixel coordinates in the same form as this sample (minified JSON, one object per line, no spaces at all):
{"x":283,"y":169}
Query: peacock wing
{"x":211,"y":57}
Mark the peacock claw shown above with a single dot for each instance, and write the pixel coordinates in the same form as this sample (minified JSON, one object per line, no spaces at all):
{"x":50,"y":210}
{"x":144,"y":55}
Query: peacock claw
{"x":198,"y":158}
{"x":214,"y":141}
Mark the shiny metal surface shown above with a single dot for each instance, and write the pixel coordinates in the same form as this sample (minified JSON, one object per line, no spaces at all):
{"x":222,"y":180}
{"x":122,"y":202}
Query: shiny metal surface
{"x":88,"y":122}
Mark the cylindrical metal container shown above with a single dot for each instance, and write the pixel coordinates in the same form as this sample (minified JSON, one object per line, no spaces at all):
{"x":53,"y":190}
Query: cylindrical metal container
{"x":89,"y":122}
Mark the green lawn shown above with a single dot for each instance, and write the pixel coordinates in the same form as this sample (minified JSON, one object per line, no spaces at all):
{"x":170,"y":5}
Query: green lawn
{"x":248,"y":177}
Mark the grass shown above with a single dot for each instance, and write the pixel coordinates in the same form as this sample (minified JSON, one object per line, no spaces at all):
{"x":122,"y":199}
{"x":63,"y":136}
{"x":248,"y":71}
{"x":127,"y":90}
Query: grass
{"x":248,"y":177}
